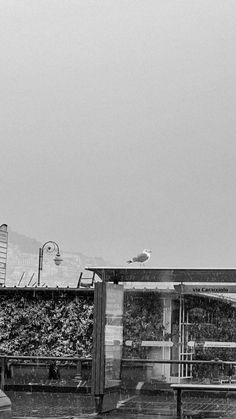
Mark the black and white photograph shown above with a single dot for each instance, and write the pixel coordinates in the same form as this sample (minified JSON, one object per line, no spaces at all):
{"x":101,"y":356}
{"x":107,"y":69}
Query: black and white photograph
{"x":118,"y":207}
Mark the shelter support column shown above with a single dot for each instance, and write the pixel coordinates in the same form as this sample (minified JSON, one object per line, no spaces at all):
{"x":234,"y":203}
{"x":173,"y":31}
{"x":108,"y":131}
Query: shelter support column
{"x":167,"y":310}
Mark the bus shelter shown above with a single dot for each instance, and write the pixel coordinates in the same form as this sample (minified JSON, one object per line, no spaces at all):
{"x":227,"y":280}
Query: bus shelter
{"x":174,"y":343}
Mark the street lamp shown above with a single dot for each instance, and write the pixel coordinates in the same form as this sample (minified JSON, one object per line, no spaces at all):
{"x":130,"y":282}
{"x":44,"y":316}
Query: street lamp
{"x":49,"y":247}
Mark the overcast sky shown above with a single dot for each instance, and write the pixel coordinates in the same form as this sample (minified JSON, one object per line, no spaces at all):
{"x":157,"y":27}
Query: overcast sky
{"x":117,"y":127}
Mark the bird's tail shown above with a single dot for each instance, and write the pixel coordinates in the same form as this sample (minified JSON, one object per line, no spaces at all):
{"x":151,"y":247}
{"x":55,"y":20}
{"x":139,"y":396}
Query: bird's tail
{"x":129,"y":261}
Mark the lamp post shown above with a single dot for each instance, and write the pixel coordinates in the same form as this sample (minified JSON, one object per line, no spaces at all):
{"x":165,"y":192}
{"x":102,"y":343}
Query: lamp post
{"x":49,"y":247}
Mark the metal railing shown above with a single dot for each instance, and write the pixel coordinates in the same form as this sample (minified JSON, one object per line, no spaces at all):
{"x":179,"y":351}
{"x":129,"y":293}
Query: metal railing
{"x":77,"y":363}
{"x":7,"y":360}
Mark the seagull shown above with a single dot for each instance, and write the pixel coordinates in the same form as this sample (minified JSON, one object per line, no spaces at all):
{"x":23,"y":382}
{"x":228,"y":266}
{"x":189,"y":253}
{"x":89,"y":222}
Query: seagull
{"x":142,"y":257}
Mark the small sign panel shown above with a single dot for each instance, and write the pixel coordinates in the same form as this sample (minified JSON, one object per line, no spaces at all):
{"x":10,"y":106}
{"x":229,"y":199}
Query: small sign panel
{"x":157,"y":343}
{"x":211,"y":344}
{"x":206,"y":289}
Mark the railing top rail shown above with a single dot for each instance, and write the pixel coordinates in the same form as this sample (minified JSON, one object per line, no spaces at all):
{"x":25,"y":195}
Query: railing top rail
{"x":46,"y":358}
{"x":124,"y":360}
{"x":176,"y":361}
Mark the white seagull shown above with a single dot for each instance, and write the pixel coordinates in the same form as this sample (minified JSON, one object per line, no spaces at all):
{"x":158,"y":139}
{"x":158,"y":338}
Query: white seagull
{"x":142,"y":257}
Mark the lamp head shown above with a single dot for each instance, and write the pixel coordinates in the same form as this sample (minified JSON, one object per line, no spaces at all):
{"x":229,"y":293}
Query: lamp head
{"x":58,"y":259}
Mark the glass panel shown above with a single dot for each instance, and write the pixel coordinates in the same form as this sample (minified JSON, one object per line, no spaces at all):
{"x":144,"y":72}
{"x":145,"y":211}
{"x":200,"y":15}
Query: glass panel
{"x":113,"y":334}
{"x":171,"y":338}
{"x":147,"y":329}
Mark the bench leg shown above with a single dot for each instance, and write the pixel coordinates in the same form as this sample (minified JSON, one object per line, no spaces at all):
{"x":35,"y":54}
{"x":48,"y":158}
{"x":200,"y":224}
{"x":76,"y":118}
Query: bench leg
{"x":179,"y":405}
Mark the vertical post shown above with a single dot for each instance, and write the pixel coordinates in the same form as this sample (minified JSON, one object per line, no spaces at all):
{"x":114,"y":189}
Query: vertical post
{"x":180,"y":332}
{"x":179,"y":404}
{"x":40,"y":264}
{"x":183,"y":327}
{"x":79,"y":370}
{"x":162,"y":349}
{"x":98,"y":365}
{"x":2,"y":373}
{"x":99,"y":403}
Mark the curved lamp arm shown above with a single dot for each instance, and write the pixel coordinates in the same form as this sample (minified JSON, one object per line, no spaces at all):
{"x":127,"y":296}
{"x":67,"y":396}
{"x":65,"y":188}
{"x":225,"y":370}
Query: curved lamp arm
{"x":49,"y":247}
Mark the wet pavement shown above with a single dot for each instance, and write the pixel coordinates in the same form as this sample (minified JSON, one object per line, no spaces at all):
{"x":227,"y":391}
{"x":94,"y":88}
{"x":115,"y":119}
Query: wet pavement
{"x":27,"y":404}
{"x":161,"y":406}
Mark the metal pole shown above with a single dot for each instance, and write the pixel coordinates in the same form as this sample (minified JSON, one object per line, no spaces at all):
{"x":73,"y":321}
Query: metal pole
{"x":2,"y":373}
{"x":22,"y":276}
{"x":99,"y":403}
{"x":30,"y":279}
{"x":180,"y":332}
{"x":40,"y":264}
{"x":179,"y":404}
{"x":79,"y":370}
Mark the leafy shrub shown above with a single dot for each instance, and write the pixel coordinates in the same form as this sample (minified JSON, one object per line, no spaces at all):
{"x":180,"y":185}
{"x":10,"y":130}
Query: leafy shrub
{"x":143,"y":320}
{"x":45,"y":327}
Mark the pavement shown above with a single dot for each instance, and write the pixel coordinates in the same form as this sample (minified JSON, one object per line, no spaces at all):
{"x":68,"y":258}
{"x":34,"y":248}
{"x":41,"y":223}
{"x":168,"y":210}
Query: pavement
{"x":158,"y":405}
{"x":164,"y":407}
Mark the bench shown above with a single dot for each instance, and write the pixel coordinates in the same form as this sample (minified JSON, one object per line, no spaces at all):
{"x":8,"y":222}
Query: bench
{"x":198,"y":387}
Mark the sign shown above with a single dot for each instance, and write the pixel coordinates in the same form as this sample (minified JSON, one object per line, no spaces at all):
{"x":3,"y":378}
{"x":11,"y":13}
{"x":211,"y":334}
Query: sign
{"x":206,"y":288}
{"x":211,"y":344}
{"x":220,"y":345}
{"x":157,"y":343}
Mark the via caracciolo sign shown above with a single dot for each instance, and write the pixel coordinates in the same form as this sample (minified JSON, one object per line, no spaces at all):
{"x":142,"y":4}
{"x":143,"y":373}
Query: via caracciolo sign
{"x":214,"y":290}
{"x":206,"y":288}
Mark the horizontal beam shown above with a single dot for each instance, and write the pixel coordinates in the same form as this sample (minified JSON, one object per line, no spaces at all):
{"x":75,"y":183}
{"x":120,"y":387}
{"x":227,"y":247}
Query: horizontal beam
{"x":168,"y":361}
{"x":178,"y":275}
{"x":124,"y":360}
{"x":46,"y":358}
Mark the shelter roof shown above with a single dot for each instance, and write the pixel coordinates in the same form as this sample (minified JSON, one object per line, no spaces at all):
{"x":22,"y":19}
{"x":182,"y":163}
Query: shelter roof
{"x":152,"y":274}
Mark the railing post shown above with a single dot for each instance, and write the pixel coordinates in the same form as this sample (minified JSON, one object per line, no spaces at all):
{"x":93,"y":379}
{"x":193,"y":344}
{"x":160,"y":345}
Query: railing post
{"x":179,"y":404}
{"x":79,"y":370}
{"x":2,"y":384}
{"x":99,"y":403}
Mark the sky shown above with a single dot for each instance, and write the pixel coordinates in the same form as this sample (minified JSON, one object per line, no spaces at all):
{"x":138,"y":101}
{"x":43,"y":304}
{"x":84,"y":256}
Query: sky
{"x":117,"y":127}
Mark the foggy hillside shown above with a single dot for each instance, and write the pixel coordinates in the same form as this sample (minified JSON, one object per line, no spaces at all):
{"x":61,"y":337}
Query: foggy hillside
{"x":22,"y":262}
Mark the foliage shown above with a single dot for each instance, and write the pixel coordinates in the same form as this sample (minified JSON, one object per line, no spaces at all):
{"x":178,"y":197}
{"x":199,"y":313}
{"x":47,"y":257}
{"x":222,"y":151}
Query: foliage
{"x":211,"y":320}
{"x":63,"y":325}
{"x":51,"y":327}
{"x":142,"y":321}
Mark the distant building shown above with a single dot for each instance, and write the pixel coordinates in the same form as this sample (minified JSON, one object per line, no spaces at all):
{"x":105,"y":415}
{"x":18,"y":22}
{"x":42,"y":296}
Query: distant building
{"x":3,"y":253}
